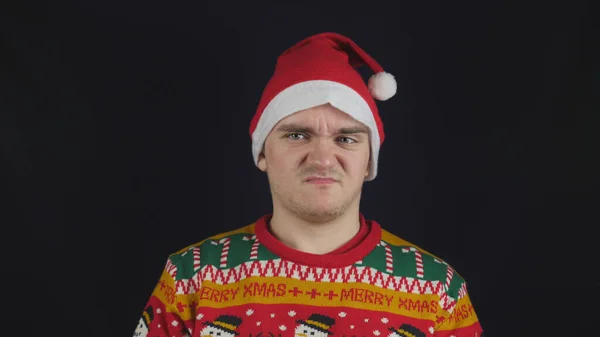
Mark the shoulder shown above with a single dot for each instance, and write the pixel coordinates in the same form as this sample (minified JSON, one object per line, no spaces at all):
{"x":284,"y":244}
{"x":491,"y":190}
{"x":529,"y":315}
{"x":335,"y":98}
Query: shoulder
{"x":434,"y":266}
{"x":448,"y":283}
{"x":401,"y":243}
{"x":210,"y":246}
{"x":238,"y":233}
{"x":187,"y":261}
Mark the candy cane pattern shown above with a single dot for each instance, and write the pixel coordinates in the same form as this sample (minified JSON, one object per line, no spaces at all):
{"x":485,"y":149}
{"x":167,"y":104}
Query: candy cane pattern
{"x":196,"y":254}
{"x":254,"y":249}
{"x":418,"y":258}
{"x":462,"y":292}
{"x":449,"y":273}
{"x":389,"y":259}
{"x":171,"y":268}
{"x":224,"y":251}
{"x":225,"y":242}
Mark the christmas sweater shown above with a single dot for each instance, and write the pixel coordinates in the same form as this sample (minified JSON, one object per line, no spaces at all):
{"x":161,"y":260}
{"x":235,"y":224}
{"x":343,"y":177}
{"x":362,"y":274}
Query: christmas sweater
{"x":247,"y":283}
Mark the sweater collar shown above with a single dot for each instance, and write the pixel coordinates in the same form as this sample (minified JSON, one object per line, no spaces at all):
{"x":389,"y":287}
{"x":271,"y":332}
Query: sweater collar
{"x":349,"y":257}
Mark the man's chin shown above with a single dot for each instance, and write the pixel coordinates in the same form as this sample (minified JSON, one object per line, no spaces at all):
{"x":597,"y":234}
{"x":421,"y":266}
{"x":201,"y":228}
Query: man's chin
{"x":320,"y":212}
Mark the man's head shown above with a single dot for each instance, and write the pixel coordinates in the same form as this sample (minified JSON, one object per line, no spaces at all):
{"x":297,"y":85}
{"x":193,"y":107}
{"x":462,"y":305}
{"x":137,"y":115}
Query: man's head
{"x":313,"y":99}
{"x":317,"y":160}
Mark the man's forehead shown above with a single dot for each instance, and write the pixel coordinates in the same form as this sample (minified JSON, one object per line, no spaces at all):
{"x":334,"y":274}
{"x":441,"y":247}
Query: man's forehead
{"x":314,"y":117}
{"x":312,"y":128}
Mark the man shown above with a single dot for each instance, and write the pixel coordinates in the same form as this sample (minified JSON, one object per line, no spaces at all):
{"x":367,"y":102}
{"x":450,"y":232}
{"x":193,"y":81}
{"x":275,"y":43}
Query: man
{"x":315,"y":266}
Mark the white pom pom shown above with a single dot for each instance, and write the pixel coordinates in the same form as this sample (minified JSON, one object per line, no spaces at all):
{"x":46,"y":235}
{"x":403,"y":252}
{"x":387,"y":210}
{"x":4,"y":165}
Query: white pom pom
{"x":382,"y":86}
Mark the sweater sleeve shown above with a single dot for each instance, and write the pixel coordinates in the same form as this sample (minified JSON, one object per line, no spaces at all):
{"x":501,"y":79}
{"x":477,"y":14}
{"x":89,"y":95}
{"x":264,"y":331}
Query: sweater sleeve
{"x":457,"y":315}
{"x":167,"y":313}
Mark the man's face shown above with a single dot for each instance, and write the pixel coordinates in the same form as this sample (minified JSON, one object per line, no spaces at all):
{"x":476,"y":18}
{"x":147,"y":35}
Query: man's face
{"x":316,"y":161}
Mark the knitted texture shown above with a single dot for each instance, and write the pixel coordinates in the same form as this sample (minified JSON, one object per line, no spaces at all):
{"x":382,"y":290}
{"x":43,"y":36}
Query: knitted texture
{"x":235,"y":284}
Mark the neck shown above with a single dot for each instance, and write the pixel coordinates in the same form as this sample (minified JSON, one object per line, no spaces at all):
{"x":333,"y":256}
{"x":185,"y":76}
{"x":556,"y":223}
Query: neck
{"x":314,"y":237}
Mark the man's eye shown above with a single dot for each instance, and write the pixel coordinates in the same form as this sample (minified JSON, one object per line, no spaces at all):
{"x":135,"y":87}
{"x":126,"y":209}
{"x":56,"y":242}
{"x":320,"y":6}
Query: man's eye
{"x":347,"y":140}
{"x":295,"y":136}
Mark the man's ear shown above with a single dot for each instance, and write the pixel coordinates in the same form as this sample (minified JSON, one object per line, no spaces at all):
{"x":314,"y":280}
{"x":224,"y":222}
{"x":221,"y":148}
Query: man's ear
{"x":262,"y":162}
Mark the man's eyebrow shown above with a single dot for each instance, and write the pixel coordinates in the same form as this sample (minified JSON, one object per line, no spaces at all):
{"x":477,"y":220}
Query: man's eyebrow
{"x":354,"y":130}
{"x":306,"y":129}
{"x":294,"y":128}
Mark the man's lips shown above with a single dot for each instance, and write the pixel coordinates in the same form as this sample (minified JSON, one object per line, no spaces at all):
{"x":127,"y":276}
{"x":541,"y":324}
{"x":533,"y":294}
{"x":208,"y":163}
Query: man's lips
{"x":320,"y":180}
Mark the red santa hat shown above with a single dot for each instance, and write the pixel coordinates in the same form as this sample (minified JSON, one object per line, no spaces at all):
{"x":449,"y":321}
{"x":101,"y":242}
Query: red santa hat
{"x":318,"y":70}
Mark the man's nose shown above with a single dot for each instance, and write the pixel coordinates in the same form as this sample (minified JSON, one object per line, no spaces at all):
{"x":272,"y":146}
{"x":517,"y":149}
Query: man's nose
{"x":321,"y":155}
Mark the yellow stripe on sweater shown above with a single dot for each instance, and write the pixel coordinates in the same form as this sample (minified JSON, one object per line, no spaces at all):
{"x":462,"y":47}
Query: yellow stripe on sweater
{"x":462,"y":315}
{"x":277,"y":290}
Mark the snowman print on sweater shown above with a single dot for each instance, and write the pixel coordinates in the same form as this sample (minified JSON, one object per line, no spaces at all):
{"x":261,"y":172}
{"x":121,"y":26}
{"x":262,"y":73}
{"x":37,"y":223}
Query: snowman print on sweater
{"x":141,"y":330}
{"x":315,"y":326}
{"x":406,"y":330}
{"x":223,"y":326}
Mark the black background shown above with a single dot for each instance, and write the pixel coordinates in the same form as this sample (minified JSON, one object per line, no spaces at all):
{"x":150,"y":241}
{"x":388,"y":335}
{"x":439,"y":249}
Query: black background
{"x":124,"y":137}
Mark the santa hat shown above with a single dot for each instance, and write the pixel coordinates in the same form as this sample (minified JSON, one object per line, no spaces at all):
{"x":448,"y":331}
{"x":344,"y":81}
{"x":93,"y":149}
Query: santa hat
{"x":318,"y":70}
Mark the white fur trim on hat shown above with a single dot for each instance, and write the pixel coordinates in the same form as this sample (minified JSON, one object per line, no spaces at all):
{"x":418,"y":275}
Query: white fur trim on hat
{"x":310,"y":94}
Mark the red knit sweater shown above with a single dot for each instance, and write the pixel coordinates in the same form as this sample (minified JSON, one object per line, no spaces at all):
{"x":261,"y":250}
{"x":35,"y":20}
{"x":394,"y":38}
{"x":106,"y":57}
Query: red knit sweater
{"x":247,"y":283}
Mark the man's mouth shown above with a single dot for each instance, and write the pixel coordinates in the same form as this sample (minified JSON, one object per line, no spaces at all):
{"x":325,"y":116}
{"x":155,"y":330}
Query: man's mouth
{"x":320,"y":180}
